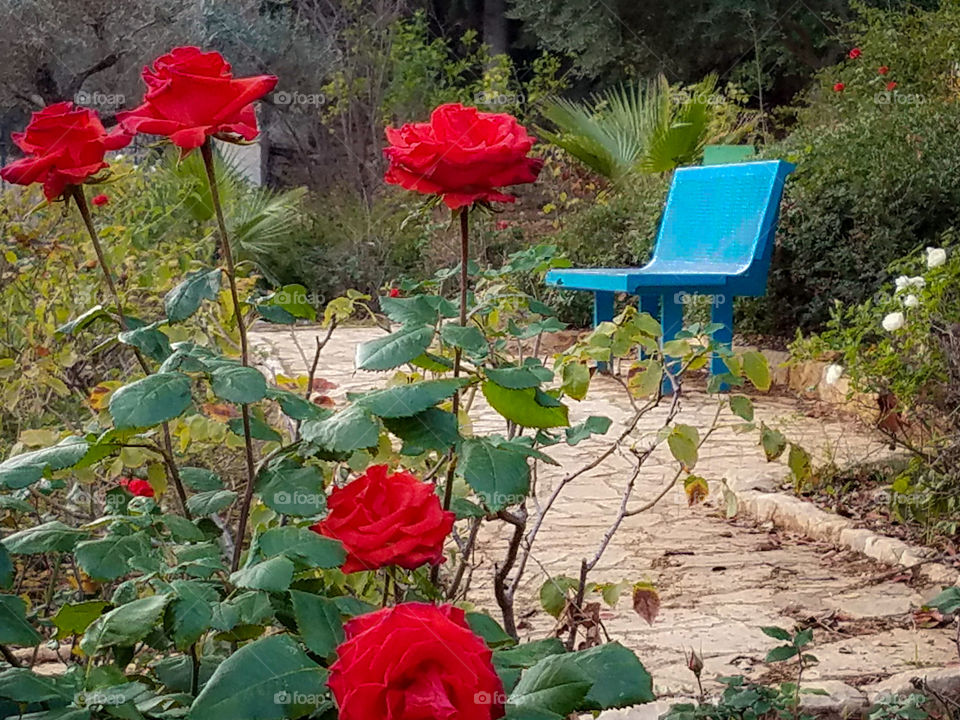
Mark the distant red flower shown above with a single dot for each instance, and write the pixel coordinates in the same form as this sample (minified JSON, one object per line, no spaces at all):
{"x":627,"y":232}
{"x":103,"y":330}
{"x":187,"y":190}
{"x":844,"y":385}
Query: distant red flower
{"x":838,"y":87}
{"x":100,"y":200}
{"x":854,"y":53}
{"x":503,"y":224}
{"x":883,"y":69}
{"x":394,"y":292}
{"x":137,"y":486}
{"x":891,"y":85}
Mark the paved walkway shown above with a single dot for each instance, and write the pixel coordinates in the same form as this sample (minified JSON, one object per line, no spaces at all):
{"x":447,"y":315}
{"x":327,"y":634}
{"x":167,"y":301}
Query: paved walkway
{"x":719,"y":580}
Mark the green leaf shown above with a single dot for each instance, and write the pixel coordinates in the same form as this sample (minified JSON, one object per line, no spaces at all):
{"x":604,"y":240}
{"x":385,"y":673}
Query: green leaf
{"x":417,"y":309}
{"x":273,"y":575}
{"x":784,"y":652}
{"x":742,"y":407}
{"x":575,"y":380}
{"x":125,"y":625}
{"x":756,"y":369}
{"x":151,"y":400}
{"x":184,"y":300}
{"x":149,"y":340}
{"x":303,"y":546}
{"x":259,"y":430}
{"x":593,"y":425}
{"x":200,"y":479}
{"x":83,"y":320}
{"x":51,"y":536}
{"x":293,"y":300}
{"x":318,"y":622}
{"x":210,"y":502}
{"x":249,"y":683}
{"x":553,"y":593}
{"x":238,"y":384}
{"x":486,"y":627}
{"x":6,"y":568}
{"x":289,"y":488}
{"x":509,"y":663}
{"x":773,"y":442}
{"x":468,"y":338}
{"x":109,"y":558}
{"x":348,"y":430}
{"x":499,"y":476}
{"x":14,"y":628}
{"x":395,"y":349}
{"x":296,"y":406}
{"x":683,"y":441}
{"x":76,"y":618}
{"x":190,"y":614}
{"x":432,"y":429}
{"x":20,"y":471}
{"x":25,"y":686}
{"x":403,"y":401}
{"x":618,"y":677}
{"x":948,"y":601}
{"x":525,"y":407}
{"x":552,"y":685}
{"x":800,"y":464}
{"x":514,"y":378}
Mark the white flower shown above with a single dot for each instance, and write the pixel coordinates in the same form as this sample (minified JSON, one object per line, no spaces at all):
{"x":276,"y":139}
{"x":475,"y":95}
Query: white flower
{"x":917,"y":282}
{"x":902,"y":282}
{"x":893,"y":322}
{"x":936,"y":257}
{"x":833,"y":373}
{"x":911,"y":301}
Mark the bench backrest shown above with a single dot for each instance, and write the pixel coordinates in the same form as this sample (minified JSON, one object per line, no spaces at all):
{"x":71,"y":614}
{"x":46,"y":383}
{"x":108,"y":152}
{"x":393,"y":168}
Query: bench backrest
{"x":723,"y":218}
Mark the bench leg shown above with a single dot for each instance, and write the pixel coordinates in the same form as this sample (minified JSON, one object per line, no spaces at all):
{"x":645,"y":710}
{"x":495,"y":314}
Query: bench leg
{"x":602,"y":312}
{"x":721,"y":313}
{"x":671,"y":320}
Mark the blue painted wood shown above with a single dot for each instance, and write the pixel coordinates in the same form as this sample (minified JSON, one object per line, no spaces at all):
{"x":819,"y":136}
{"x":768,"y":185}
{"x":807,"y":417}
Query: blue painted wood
{"x":716,"y":237}
{"x":602,"y":312}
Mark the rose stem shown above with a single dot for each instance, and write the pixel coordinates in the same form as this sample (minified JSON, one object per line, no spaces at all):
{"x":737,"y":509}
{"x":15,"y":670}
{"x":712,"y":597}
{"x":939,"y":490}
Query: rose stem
{"x":457,"y":356}
{"x":81,"y":200}
{"x":207,"y":151}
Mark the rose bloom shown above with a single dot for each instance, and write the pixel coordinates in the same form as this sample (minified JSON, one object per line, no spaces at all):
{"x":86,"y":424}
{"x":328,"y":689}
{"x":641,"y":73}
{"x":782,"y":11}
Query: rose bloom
{"x":936,"y":257}
{"x":891,"y":85}
{"x":883,"y":69}
{"x":385,"y":519}
{"x":854,"y":53}
{"x":137,"y":486}
{"x":838,"y":87}
{"x":100,"y":200}
{"x":64,"y":145}
{"x":394,"y":292}
{"x":192,"y":95}
{"x":911,"y":301}
{"x":893,"y":322}
{"x":463,"y":155}
{"x":415,"y":661}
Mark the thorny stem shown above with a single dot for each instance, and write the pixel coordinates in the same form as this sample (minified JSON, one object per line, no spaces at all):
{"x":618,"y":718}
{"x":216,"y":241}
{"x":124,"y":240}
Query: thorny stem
{"x":80,"y":198}
{"x":207,"y":151}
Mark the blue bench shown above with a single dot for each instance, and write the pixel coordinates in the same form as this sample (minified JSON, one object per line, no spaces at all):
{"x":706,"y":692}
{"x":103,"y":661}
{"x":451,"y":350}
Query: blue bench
{"x":715,"y":239}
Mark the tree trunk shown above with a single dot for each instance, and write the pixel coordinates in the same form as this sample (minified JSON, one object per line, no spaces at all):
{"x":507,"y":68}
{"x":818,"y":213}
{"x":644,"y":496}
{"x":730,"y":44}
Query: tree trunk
{"x":495,"y":26}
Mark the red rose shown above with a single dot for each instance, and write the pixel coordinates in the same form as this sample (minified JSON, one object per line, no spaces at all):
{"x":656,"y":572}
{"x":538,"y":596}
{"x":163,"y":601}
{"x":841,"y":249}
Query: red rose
{"x":412,"y":662}
{"x":385,"y":520}
{"x":503,"y":225}
{"x":462,"y":155}
{"x":854,"y":53}
{"x":838,"y":87}
{"x":891,"y":85}
{"x":100,"y":200}
{"x":64,"y":145}
{"x":192,"y":94}
{"x":137,"y":486}
{"x":883,"y":69}
{"x":394,"y":292}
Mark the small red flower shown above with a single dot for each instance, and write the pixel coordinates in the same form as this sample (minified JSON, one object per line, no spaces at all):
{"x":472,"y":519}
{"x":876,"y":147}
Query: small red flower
{"x":891,"y":85}
{"x":883,"y":69}
{"x":137,"y":486}
{"x":100,"y":200}
{"x":839,"y":87}
{"x":394,"y":292}
{"x":503,"y":224}
{"x":854,"y":53}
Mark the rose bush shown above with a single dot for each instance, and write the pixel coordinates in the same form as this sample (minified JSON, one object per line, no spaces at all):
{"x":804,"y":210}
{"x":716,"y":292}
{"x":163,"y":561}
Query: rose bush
{"x":462,"y":155}
{"x":193,"y":95}
{"x":64,"y":145}
{"x":412,"y":662}
{"x":386,"y":519}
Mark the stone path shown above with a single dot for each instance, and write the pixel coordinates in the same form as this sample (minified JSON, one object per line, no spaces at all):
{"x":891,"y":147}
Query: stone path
{"x":718,"y":580}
